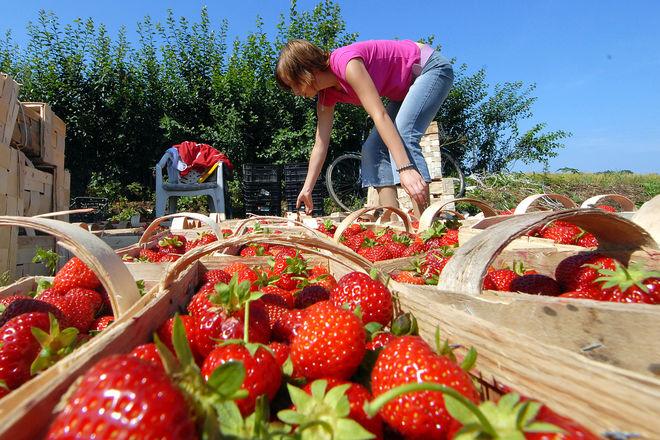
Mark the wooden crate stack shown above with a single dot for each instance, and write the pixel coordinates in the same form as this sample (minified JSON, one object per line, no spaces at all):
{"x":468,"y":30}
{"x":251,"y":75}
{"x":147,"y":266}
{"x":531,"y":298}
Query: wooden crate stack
{"x":33,"y":179}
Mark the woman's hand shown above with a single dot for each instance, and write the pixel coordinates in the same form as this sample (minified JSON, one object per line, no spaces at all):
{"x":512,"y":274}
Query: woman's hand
{"x":305,"y":198}
{"x":415,"y":186}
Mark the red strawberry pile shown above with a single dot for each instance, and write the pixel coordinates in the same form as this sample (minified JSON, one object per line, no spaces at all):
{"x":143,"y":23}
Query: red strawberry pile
{"x":37,"y":332}
{"x":171,"y":246}
{"x":304,"y":359}
{"x":388,"y":243}
{"x":562,"y":232}
{"x":425,"y":270}
{"x":586,"y":275}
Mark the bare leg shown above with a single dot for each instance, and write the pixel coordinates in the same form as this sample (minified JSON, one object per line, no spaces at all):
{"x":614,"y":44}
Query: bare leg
{"x":387,"y":196}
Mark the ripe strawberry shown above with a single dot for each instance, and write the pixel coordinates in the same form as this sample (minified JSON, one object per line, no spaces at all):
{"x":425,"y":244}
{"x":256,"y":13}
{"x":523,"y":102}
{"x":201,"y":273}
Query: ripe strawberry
{"x":172,"y":244}
{"x":102,"y":323}
{"x":576,"y":272}
{"x":19,"y":348}
{"x":275,"y":295}
{"x":280,"y":351}
{"x":200,"y":301}
{"x":327,"y":227}
{"x":287,"y":325}
{"x":78,"y":310}
{"x":561,"y":232}
{"x":354,"y":242}
{"x":606,"y":208}
{"x":216,"y":276}
{"x":450,"y":238}
{"x":90,"y":295}
{"x":225,"y":320}
{"x":535,"y":284}
{"x":629,"y":285}
{"x":75,"y":273}
{"x":587,"y":293}
{"x":373,"y":298}
{"x":353,"y":229}
{"x":572,"y":430}
{"x":311,"y":295}
{"x":244,"y":273}
{"x":421,"y":414}
{"x":416,"y":247}
{"x":253,"y":250}
{"x":374,"y":252}
{"x":148,"y":353}
{"x":357,"y":396}
{"x":165,"y":330}
{"x":500,"y":280}
{"x":319,"y":276}
{"x":408,"y":277}
{"x":587,"y":240}
{"x":398,"y":245}
{"x":263,"y":374}
{"x":4,"y":302}
{"x":290,"y":270}
{"x":151,"y":406}
{"x":435,"y":261}
{"x":149,"y":255}
{"x":25,"y":304}
{"x":330,"y":342}
{"x":513,"y":417}
{"x":206,"y":238}
{"x":380,"y":340}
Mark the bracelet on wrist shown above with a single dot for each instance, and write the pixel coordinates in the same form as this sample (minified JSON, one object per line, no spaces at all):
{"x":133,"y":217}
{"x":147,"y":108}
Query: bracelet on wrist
{"x":407,"y":166}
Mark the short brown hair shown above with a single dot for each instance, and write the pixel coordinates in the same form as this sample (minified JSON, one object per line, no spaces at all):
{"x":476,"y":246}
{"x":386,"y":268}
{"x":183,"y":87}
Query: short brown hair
{"x":298,"y":61}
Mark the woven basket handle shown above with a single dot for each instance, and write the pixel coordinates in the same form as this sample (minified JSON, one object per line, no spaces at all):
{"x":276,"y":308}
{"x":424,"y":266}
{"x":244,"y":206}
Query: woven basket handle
{"x":466,"y":270}
{"x":98,"y":256}
{"x":624,"y":202}
{"x":529,"y":201}
{"x":314,"y":245}
{"x":149,"y":232}
{"x":648,"y":217}
{"x":353,"y":216}
{"x":431,"y":213}
{"x":269,"y":221}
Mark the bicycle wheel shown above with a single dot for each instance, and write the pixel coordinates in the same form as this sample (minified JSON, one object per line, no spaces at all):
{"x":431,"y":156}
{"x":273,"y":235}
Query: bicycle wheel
{"x":344,"y":181}
{"x":451,"y":169}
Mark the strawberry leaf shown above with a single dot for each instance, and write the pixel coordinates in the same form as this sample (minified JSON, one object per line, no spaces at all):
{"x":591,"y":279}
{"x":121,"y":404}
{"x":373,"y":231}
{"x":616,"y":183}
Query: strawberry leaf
{"x":180,"y":343}
{"x":469,"y":360}
{"x":226,"y":380}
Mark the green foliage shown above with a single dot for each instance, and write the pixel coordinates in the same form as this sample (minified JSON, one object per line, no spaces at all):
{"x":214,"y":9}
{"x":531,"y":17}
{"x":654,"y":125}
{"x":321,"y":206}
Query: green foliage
{"x":125,"y":102}
{"x":506,"y":190}
{"x":483,"y":128}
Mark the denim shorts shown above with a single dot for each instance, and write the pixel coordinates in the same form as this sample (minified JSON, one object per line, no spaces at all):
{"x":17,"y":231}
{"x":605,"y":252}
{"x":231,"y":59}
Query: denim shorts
{"x":411,"y":117}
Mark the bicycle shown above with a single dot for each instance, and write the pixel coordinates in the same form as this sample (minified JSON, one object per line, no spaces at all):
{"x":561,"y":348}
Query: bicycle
{"x":343,"y":179}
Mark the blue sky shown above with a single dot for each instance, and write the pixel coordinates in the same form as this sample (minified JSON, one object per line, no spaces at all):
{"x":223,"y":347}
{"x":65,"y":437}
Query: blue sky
{"x":596,"y":64}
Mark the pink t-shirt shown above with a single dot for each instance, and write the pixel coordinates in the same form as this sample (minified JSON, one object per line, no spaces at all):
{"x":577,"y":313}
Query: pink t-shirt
{"x":388,"y":62}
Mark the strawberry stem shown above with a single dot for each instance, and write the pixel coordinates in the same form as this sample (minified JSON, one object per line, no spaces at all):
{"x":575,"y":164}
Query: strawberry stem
{"x":372,"y":408}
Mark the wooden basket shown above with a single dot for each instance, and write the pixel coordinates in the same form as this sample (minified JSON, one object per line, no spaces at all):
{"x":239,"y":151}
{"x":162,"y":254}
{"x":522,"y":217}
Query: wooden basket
{"x":23,"y":406}
{"x":152,"y":272}
{"x":648,"y":217}
{"x":624,"y":335}
{"x":30,"y":421}
{"x":527,"y":205}
{"x":431,"y":213}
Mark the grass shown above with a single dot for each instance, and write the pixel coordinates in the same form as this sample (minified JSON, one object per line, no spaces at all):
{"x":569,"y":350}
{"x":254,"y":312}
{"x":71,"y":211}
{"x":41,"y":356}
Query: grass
{"x":504,"y":191}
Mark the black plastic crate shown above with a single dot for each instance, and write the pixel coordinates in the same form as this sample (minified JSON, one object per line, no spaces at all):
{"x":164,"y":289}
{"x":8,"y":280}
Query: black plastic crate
{"x":254,"y":172}
{"x":319,"y":193}
{"x":263,"y":198}
{"x":295,"y":172}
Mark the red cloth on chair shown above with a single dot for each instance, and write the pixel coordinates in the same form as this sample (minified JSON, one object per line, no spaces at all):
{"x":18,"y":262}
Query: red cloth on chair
{"x":200,"y":157}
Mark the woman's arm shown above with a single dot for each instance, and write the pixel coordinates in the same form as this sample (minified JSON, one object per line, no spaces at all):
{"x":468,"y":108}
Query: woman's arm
{"x":325,"y":116}
{"x":360,"y":80}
